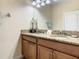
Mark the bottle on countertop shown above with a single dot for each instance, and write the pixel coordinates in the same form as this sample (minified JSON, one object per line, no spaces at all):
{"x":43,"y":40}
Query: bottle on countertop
{"x":33,"y":26}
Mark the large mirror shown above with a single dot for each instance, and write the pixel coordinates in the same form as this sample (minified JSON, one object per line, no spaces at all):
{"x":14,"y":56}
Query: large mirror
{"x":59,"y":15}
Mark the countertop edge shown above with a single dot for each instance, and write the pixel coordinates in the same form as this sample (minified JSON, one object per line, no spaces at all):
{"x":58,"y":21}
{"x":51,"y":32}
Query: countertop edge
{"x":51,"y":39}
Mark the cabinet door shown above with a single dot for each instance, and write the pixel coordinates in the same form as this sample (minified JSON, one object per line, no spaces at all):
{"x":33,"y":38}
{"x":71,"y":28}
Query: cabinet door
{"x":44,"y":53}
{"x":29,"y":50}
{"x":59,"y":55}
{"x":25,"y":45}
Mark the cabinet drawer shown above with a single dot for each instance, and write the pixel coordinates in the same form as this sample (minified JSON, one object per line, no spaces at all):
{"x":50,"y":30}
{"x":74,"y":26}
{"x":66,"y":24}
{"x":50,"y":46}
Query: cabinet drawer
{"x":65,"y":48}
{"x":29,"y":38}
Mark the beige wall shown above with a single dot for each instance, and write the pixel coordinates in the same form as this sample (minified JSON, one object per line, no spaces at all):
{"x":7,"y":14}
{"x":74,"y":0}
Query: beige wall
{"x":21,"y":15}
{"x":58,"y":11}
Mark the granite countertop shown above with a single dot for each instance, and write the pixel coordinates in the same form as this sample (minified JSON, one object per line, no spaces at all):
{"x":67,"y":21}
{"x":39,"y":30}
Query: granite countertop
{"x":69,"y":40}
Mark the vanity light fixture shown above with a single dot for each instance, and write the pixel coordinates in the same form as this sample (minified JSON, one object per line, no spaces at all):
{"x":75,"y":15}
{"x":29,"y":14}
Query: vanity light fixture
{"x":39,"y":3}
{"x":47,"y":1}
{"x":38,"y":6}
{"x":33,"y":3}
{"x":42,"y":4}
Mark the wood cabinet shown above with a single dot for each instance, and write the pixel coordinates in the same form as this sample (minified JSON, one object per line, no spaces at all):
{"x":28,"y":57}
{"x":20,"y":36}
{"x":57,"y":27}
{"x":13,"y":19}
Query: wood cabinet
{"x":59,"y":55}
{"x":44,"y":53}
{"x":59,"y":46}
{"x":29,"y":50}
{"x":42,"y":48}
{"x":25,"y":48}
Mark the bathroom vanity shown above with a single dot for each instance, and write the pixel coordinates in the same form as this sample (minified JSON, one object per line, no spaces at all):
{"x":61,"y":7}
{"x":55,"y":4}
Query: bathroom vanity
{"x":62,"y":16}
{"x":43,"y":46}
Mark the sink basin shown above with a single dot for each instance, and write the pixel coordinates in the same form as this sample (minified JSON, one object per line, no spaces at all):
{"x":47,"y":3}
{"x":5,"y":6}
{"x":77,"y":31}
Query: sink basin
{"x":53,"y":35}
{"x":57,"y":36}
{"x":64,"y":36}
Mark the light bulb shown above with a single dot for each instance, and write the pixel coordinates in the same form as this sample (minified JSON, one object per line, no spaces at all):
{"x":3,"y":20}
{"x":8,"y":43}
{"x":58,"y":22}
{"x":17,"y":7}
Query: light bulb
{"x":33,"y":3}
{"x":38,"y":1}
{"x":47,"y":1}
{"x":42,"y":4}
{"x":38,"y":6}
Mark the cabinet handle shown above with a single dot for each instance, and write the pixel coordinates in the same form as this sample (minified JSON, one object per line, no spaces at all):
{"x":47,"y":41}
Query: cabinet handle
{"x":51,"y":55}
{"x":54,"y":56}
{"x":38,"y":53}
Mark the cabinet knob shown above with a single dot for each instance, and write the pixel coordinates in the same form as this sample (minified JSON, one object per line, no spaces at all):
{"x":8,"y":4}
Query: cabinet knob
{"x":54,"y":56}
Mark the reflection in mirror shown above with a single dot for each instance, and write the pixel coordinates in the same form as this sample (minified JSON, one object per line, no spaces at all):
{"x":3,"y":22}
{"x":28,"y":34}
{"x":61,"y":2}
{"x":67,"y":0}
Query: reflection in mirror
{"x":62,"y":20}
{"x":56,"y":15}
{"x":71,"y":20}
{"x":43,"y":16}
